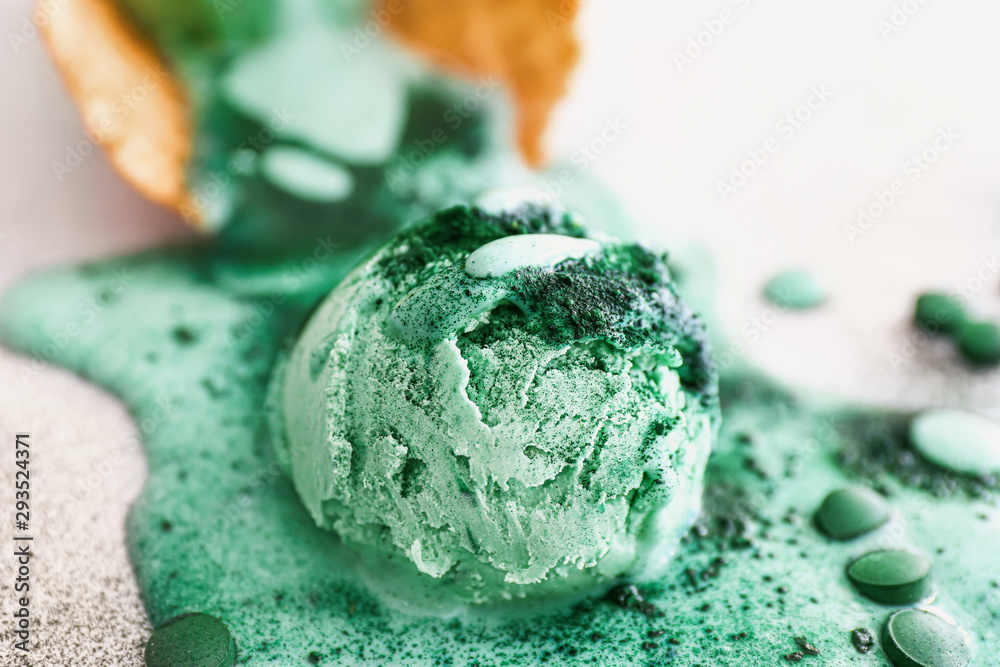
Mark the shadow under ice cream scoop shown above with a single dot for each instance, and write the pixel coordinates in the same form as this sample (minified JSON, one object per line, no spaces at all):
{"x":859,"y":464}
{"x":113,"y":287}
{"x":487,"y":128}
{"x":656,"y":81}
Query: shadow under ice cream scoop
{"x":497,"y":408}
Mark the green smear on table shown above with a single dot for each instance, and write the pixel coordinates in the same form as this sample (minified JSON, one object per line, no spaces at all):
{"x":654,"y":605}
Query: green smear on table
{"x":188,"y":339}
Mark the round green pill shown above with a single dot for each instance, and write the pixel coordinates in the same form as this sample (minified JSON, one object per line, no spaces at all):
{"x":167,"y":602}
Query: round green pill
{"x":848,"y":513}
{"x":979,"y":343}
{"x":939,"y":312}
{"x":797,"y":290}
{"x":958,"y":441}
{"x":892,"y":577}
{"x":917,"y":638}
{"x":191,"y":640}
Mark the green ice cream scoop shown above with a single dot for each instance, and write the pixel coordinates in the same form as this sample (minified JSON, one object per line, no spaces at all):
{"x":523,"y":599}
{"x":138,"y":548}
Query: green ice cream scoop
{"x":496,"y":408}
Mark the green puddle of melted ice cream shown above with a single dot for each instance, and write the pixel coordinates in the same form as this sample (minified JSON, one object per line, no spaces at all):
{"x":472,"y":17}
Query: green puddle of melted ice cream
{"x":190,"y":346}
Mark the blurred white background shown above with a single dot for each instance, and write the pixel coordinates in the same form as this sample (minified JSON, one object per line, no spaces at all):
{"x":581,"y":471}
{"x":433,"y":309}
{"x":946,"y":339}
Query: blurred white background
{"x":896,"y":74}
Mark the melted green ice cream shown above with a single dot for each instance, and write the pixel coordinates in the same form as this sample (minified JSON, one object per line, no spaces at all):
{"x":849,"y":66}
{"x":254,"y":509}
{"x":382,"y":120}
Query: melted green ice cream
{"x":514,"y":414}
{"x":219,"y":530}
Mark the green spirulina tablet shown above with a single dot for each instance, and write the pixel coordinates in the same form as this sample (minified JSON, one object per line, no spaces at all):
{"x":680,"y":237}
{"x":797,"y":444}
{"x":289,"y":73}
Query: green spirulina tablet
{"x":891,"y":576}
{"x":191,"y":640}
{"x":958,"y":441}
{"x":797,"y":290}
{"x":939,"y":312}
{"x":916,"y":638}
{"x":851,"y":512}
{"x":979,"y":343}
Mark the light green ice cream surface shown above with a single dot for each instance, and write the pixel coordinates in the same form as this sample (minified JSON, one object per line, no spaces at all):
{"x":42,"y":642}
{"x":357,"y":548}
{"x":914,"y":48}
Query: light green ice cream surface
{"x":536,"y":433}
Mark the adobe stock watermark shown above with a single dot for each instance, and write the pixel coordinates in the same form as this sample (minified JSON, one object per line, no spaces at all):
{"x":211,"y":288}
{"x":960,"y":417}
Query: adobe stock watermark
{"x":213,"y":187}
{"x":121,"y":108}
{"x":30,"y":25}
{"x":87,"y":311}
{"x":786,"y":128}
{"x":581,"y":158}
{"x":751,"y":331}
{"x":561,"y":13}
{"x":411,"y":158}
{"x":546,"y":192}
{"x":711,"y":30}
{"x":893,"y":534}
{"x":987,"y":270}
{"x":900,"y":14}
{"x":363,"y":35}
{"x":914,"y":167}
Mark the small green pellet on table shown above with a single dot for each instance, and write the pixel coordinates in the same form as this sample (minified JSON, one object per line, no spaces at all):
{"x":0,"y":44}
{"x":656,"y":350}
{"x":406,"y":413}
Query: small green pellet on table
{"x":892,"y":577}
{"x":917,"y":638}
{"x":851,"y":512}
{"x":979,"y":343}
{"x":797,"y":290}
{"x":939,"y":312}
{"x":191,"y":640}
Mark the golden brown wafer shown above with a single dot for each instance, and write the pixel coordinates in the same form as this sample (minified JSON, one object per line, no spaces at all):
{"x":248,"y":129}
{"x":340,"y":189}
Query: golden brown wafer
{"x":528,"y":43}
{"x":130,"y":103}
